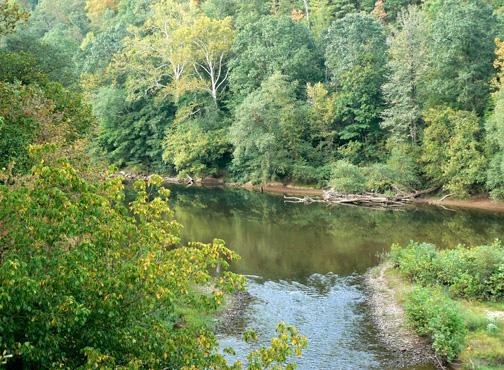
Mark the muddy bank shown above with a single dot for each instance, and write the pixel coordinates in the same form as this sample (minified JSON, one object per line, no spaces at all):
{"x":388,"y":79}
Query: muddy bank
{"x":389,"y":319}
{"x":481,"y":203}
{"x":475,"y":203}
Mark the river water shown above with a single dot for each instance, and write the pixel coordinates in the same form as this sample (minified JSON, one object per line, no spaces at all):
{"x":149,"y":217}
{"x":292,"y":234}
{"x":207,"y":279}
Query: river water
{"x":305,"y":263}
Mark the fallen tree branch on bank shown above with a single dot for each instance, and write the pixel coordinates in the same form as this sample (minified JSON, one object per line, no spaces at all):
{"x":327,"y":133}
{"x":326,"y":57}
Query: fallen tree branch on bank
{"x":371,"y":200}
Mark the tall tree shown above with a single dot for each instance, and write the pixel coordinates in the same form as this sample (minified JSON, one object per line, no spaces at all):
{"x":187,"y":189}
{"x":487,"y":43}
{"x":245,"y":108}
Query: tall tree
{"x":344,"y":7}
{"x":450,"y":150}
{"x":268,"y":130}
{"x":460,"y":52}
{"x":212,"y":40}
{"x":272,"y":44}
{"x":356,"y":60}
{"x":177,"y":50}
{"x":406,"y":65}
{"x":322,"y":14}
{"x":494,"y":131}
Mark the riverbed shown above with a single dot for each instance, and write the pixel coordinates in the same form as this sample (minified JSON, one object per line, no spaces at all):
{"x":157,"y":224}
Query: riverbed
{"x":305,"y":263}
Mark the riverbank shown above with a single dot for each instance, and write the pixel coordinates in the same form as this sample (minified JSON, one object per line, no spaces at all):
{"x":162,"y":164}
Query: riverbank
{"x":484,"y":322}
{"x":230,"y":319}
{"x":479,"y":203}
{"x":386,"y":299}
{"x":277,"y":188}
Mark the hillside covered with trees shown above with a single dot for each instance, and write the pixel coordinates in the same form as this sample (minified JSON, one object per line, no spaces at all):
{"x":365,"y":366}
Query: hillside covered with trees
{"x":385,"y":95}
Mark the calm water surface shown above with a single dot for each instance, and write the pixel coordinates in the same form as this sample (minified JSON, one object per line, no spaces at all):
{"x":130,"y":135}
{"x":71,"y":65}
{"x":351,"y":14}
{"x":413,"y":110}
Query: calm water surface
{"x":305,"y":263}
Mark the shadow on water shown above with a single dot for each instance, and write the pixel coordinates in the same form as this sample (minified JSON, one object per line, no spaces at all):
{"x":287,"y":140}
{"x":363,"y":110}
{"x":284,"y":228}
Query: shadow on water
{"x":309,"y":260}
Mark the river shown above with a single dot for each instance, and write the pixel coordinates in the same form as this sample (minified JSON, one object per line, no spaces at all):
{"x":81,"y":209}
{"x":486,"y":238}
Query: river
{"x":305,"y":263}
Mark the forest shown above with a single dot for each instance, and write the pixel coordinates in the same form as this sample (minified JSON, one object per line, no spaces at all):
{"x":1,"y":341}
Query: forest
{"x":359,"y":96}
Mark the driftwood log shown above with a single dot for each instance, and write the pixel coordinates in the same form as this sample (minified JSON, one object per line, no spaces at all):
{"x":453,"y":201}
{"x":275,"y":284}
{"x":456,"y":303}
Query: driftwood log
{"x":371,"y":200}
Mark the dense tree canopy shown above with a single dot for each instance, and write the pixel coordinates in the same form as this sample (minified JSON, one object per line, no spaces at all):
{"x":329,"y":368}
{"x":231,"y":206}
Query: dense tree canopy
{"x":273,"y":44}
{"x":460,"y":53}
{"x":356,"y":60}
{"x":173,"y":82}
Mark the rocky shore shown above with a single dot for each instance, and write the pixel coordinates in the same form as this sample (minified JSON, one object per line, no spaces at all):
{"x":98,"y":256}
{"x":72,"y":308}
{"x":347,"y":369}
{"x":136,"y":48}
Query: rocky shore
{"x":389,"y":318}
{"x":231,"y":319}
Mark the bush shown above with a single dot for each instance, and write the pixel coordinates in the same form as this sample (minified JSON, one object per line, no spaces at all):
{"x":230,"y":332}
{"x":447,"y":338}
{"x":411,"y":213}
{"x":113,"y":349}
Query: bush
{"x":466,"y":272}
{"x":415,"y":261}
{"x":403,"y":163}
{"x":303,"y":173}
{"x":347,"y":178}
{"x":380,"y":178}
{"x":87,"y":281}
{"x":433,"y":314}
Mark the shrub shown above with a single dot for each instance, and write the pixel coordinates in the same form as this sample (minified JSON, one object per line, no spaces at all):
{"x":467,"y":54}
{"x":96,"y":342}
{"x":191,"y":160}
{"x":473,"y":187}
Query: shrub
{"x":415,"y":261}
{"x":403,"y":163}
{"x":347,"y":178}
{"x":466,"y":272}
{"x":89,"y":282}
{"x":303,"y":173}
{"x":380,"y":178}
{"x":433,"y":314}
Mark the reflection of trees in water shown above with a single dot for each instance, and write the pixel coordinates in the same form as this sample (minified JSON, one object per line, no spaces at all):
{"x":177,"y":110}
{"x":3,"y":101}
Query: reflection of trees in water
{"x":279,"y":240}
{"x":445,"y":228}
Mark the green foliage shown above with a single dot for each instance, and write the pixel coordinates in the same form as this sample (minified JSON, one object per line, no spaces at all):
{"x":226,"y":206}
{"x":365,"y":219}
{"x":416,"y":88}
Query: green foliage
{"x":393,"y":8}
{"x":494,"y":130}
{"x":131,"y":133}
{"x":139,"y":63}
{"x":98,"y":50}
{"x":197,"y":142}
{"x":403,"y":163}
{"x":465,"y":272}
{"x":16,"y":131}
{"x":356,"y":60}
{"x":495,"y":135}
{"x":93,"y":282}
{"x":22,"y":67}
{"x":460,"y":53}
{"x":433,"y":314}
{"x":322,"y":13}
{"x":399,"y":173}
{"x":321,"y":114}
{"x":406,"y":64}
{"x":268,"y":134}
{"x":32,"y":115}
{"x":191,"y":57}
{"x":451,"y":151}
{"x":272,"y":44}
{"x":10,"y":15}
{"x":54,"y":61}
{"x":347,"y":178}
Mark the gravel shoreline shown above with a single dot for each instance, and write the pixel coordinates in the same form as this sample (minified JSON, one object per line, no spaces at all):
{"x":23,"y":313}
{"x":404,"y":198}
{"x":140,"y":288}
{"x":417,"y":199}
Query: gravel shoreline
{"x":231,"y":320}
{"x":389,"y":318}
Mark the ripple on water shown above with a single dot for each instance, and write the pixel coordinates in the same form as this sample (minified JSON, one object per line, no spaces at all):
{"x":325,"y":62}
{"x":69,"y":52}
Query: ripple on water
{"x":328,"y":309}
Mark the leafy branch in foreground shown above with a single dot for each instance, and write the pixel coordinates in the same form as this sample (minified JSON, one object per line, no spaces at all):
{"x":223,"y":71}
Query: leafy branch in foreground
{"x":87,"y":280}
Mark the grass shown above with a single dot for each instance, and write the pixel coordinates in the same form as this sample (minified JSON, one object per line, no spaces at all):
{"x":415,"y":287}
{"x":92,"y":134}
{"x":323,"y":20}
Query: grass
{"x":485,"y":341}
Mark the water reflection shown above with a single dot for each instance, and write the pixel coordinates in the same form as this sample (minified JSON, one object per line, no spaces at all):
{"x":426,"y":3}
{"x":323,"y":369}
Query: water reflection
{"x":293,"y":241}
